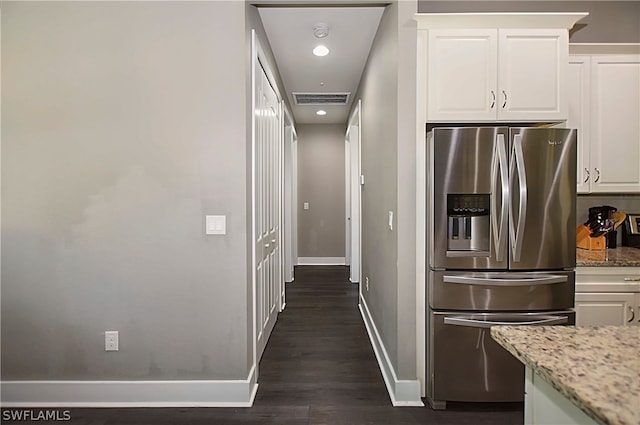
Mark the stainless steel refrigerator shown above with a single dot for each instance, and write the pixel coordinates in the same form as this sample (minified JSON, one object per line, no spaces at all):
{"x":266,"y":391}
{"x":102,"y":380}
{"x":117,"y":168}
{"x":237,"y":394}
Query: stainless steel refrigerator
{"x":501,"y":232}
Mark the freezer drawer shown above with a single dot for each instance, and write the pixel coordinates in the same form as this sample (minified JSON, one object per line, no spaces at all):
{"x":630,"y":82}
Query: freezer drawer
{"x":501,"y":291}
{"x":466,"y":365}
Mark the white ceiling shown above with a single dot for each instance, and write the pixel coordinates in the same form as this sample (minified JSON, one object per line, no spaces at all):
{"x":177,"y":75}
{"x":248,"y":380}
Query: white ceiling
{"x":290,"y":34}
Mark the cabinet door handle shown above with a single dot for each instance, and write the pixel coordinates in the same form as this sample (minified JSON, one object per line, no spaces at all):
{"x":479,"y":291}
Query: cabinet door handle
{"x":586,"y":170}
{"x":597,"y":176}
{"x":493,"y":99}
{"x":633,"y":314}
{"x":632,"y":279}
{"x":504,"y":93}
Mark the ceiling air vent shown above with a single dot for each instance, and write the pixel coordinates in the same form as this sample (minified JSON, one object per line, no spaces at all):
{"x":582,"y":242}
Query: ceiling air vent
{"x":321,"y":98}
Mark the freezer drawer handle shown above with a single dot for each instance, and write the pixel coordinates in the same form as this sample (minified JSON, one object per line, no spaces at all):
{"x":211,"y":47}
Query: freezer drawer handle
{"x":472,"y":323}
{"x":515,"y":281}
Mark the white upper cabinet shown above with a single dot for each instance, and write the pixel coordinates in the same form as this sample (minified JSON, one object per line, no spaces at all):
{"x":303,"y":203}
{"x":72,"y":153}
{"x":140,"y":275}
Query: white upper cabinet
{"x":615,"y":120}
{"x":502,"y":67}
{"x":490,"y":74}
{"x":462,"y":74}
{"x":579,"y":88}
{"x":532,"y":74}
{"x":604,"y":105}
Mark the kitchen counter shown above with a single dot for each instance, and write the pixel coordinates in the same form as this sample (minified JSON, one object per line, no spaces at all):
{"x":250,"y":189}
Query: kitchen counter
{"x":595,"y":368}
{"x":623,"y":256}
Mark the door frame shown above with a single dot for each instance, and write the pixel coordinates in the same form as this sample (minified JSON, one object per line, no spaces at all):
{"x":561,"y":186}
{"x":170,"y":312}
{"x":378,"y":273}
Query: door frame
{"x":290,"y":203}
{"x":353,"y":194}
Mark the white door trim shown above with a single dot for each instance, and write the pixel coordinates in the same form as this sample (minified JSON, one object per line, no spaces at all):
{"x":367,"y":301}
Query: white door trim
{"x":347,"y":199}
{"x":421,"y":211}
{"x":252,"y":257}
{"x":289,"y":201}
{"x":354,"y":136}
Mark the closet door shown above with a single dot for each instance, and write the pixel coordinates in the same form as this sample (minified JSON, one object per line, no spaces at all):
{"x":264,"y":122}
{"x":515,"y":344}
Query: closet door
{"x":267,"y":204}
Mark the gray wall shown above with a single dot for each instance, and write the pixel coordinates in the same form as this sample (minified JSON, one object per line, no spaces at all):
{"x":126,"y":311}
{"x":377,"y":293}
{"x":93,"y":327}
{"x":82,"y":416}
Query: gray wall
{"x":608,"y":21}
{"x":123,"y":126}
{"x":378,"y":92}
{"x":321,"y":183}
{"x":387,"y":90}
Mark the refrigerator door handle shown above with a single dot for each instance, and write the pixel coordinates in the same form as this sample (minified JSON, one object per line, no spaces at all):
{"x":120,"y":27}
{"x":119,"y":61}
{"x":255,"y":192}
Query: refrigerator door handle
{"x":517,"y":164}
{"x":499,"y":223}
{"x":473,"y":323}
{"x":515,"y":280}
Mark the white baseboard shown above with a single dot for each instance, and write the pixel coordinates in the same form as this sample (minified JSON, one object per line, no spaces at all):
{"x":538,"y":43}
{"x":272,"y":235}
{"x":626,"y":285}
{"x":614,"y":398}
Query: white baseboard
{"x":401,"y":392}
{"x":321,"y":261}
{"x":224,"y":393}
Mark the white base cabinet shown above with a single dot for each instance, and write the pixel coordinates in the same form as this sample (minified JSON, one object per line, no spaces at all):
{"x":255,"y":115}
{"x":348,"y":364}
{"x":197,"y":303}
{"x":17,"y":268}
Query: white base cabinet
{"x":606,"y":308}
{"x":604,"y":105}
{"x":607,"y":296}
{"x":544,"y":405}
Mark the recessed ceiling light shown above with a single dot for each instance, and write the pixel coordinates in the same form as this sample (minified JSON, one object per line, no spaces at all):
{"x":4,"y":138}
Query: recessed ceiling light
{"x":321,"y":50}
{"x":321,"y":112}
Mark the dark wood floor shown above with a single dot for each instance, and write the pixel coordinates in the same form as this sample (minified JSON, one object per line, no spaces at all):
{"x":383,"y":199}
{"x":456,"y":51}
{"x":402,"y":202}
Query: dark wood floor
{"x":318,"y":368}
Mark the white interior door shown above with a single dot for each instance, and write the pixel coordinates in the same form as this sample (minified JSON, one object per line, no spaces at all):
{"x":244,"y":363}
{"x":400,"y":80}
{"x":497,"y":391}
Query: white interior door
{"x":353,"y":171}
{"x":267,"y":205}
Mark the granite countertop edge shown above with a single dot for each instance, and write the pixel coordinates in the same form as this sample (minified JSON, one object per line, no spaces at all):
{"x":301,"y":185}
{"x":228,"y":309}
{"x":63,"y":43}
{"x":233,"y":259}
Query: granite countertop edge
{"x":573,"y":394}
{"x":619,"y":257}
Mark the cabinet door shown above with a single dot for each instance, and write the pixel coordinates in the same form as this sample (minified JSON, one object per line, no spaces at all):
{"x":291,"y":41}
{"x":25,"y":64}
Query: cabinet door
{"x":462,"y":73}
{"x":578,"y":86}
{"x":615,"y":116}
{"x":598,"y":309}
{"x":532,"y":74}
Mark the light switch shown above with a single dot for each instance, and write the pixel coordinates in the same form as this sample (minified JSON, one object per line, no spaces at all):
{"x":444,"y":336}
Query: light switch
{"x":305,"y":205}
{"x":216,"y":224}
{"x":390,"y":220}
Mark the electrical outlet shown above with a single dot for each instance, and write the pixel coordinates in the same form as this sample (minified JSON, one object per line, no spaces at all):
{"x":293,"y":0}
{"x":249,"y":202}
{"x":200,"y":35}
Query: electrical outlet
{"x":366,"y":283}
{"x":111,"y":341}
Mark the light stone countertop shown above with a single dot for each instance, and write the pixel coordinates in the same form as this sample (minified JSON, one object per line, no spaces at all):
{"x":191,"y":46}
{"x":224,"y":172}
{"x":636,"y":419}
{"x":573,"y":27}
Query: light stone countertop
{"x":596,"y":368}
{"x":623,"y":256}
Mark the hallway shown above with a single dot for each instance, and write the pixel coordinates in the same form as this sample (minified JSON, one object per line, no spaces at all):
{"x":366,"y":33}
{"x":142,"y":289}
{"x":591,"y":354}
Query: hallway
{"x":319,"y":354}
{"x":318,"y":369}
